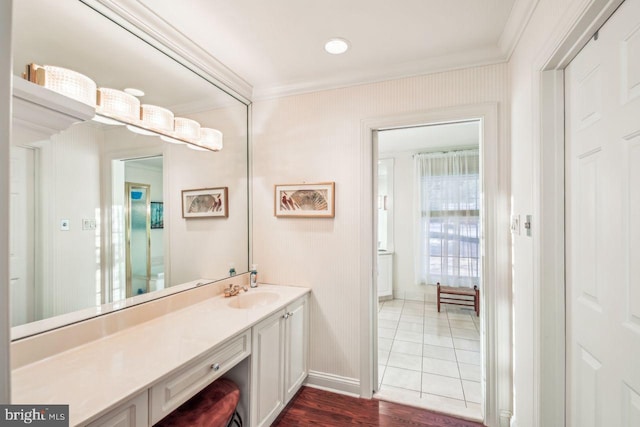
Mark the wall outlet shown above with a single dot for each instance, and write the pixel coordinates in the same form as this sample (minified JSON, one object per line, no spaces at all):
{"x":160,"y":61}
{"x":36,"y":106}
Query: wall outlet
{"x":65,"y":225}
{"x":88,"y":224}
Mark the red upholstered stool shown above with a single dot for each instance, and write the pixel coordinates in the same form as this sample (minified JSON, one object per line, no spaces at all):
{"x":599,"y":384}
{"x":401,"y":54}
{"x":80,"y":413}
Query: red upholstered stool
{"x":214,"y":406}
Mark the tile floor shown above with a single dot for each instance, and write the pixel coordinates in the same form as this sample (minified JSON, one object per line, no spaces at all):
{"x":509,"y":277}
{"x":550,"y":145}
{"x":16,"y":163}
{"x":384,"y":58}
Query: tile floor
{"x":429,"y":359}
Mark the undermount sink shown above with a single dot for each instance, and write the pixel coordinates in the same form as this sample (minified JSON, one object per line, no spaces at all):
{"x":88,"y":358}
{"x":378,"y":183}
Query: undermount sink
{"x":253,"y":299}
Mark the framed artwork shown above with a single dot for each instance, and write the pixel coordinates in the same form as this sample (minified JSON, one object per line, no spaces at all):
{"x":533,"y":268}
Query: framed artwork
{"x":205,"y":203}
{"x":305,"y":200}
{"x":157,"y":215}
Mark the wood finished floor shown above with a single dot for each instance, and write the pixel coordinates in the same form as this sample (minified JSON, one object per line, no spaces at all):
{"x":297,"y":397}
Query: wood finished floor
{"x":313,"y":407}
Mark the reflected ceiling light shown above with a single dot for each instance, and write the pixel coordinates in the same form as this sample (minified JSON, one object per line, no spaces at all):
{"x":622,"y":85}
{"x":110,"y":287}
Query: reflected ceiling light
{"x":156,"y":118}
{"x":141,"y":131}
{"x":211,"y":139}
{"x":186,"y":129}
{"x":118,"y":105}
{"x":133,"y":91}
{"x":336,"y":46}
{"x":63,"y":81}
{"x":197,"y":147}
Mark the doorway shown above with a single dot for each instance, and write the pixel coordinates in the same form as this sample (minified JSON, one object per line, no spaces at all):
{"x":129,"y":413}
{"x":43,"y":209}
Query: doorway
{"x":137,"y":226}
{"x":428,"y":229}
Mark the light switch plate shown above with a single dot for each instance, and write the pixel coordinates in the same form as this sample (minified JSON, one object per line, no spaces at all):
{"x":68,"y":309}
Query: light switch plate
{"x":88,"y":224}
{"x":515,"y":224}
{"x":65,"y":225}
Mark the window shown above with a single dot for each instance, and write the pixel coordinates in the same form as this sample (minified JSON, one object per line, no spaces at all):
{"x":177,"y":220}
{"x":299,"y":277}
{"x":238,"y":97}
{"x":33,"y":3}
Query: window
{"x":449,"y":218}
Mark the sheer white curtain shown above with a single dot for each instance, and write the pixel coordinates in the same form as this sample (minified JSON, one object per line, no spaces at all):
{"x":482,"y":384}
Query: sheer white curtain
{"x":447,"y":218}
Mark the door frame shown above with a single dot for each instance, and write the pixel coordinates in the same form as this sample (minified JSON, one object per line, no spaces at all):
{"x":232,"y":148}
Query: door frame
{"x":496,"y":302}
{"x":548,"y":229}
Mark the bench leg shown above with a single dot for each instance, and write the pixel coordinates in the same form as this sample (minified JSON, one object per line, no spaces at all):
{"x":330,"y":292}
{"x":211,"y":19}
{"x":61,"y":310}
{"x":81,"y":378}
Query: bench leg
{"x":438,"y":297}
{"x":476,"y":301}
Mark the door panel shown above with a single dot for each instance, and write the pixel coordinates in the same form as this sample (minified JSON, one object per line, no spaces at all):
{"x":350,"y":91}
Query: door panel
{"x":603,"y":238}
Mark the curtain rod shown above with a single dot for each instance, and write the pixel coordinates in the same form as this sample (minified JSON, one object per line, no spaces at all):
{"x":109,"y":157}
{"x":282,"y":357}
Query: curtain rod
{"x":459,"y":150}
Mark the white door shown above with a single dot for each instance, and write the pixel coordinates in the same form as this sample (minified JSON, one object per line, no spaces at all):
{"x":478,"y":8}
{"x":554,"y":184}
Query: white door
{"x":21,"y":238}
{"x":602,"y":98}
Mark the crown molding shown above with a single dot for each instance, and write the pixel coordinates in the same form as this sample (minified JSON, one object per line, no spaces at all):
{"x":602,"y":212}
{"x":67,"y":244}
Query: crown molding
{"x":518,"y":20}
{"x":457,"y":61}
{"x":144,"y":23}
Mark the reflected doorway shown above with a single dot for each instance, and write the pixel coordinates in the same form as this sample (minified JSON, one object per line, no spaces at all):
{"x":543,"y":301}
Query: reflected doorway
{"x":138,"y":226}
{"x":138,"y":238}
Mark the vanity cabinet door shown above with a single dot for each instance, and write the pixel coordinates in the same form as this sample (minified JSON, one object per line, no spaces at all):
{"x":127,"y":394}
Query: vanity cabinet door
{"x":133,"y":413}
{"x":296,"y":365}
{"x":267,"y":369}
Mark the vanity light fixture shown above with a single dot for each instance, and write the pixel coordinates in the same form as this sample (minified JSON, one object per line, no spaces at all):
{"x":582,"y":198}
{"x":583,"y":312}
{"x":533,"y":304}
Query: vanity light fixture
{"x":116,"y":104}
{"x":156,"y":118}
{"x":186,"y":129}
{"x":133,"y":91}
{"x":63,"y":81}
{"x":336,"y":46}
{"x":211,"y":139}
{"x":116,"y":107}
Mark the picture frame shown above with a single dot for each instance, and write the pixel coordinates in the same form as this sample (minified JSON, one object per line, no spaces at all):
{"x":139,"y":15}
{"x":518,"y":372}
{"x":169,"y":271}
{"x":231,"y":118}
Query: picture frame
{"x":157,"y":215}
{"x":305,"y":200}
{"x":205,"y":203}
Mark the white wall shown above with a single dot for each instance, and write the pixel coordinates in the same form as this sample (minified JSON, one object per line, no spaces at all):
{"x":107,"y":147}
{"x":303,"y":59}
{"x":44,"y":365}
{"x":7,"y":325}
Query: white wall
{"x":68,"y":267}
{"x":315,"y":138}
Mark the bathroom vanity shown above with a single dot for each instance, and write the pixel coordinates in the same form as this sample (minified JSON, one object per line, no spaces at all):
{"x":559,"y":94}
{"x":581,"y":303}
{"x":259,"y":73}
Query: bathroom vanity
{"x":158,"y":357}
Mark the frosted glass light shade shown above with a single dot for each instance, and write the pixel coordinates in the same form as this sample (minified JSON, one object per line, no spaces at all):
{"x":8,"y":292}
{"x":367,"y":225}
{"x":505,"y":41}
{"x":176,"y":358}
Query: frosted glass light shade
{"x":186,"y":129}
{"x":117,"y":104}
{"x":156,"y":118}
{"x":211,"y":139}
{"x":66,"y":82}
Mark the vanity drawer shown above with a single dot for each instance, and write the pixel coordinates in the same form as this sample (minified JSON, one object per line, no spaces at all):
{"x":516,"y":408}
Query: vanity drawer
{"x":176,"y":389}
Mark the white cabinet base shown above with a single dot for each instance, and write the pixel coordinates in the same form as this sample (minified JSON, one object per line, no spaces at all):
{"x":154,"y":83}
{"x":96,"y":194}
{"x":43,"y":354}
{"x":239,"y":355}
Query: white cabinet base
{"x":385,"y":276}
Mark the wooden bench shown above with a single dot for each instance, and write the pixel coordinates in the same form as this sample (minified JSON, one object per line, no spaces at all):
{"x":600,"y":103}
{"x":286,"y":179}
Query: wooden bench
{"x":457,"y":296}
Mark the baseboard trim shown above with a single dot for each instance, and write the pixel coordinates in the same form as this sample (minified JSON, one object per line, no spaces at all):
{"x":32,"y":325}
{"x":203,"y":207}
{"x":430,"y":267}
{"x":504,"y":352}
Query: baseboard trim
{"x":333,"y":383}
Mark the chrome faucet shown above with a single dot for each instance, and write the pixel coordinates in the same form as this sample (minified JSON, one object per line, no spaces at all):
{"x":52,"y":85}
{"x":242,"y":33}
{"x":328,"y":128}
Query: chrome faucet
{"x":233,"y":290}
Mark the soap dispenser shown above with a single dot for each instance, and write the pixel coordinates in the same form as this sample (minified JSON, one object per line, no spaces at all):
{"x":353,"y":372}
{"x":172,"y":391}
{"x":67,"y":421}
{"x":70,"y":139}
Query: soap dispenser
{"x":232,"y":270}
{"x":253,"y":277}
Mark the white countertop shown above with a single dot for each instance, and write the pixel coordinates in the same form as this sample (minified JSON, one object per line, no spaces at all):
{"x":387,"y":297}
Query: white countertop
{"x":97,"y":376}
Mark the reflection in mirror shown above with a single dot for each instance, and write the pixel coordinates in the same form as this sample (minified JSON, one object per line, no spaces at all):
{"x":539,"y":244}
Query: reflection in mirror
{"x":81,"y":241}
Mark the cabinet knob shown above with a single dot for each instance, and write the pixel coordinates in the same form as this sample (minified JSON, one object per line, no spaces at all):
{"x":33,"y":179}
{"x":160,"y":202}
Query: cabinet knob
{"x":290,"y":314}
{"x":215,"y":366}
{"x":285,"y":316}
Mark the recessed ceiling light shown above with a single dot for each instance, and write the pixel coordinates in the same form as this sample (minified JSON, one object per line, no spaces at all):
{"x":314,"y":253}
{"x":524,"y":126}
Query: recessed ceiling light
{"x":336,"y":46}
{"x":133,"y":91}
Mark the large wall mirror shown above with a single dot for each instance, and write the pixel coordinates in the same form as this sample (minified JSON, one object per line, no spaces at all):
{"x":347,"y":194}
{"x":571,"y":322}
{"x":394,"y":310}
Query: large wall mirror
{"x":96,"y":209}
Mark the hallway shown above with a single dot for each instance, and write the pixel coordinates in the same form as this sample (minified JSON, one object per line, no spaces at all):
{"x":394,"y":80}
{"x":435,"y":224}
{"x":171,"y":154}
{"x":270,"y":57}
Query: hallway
{"x":429,"y":359}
